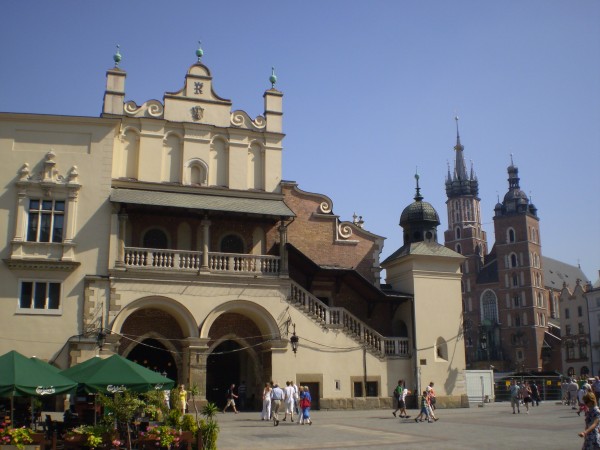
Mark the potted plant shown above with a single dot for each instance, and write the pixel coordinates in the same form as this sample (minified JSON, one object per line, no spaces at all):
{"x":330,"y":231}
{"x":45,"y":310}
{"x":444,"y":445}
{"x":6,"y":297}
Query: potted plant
{"x":87,"y":435}
{"x":162,"y":436}
{"x":16,"y":437}
{"x":122,"y":406}
{"x":208,"y":427}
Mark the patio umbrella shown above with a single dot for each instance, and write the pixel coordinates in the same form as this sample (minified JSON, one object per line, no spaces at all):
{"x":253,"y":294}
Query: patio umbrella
{"x":20,"y":376}
{"x":116,"y":374}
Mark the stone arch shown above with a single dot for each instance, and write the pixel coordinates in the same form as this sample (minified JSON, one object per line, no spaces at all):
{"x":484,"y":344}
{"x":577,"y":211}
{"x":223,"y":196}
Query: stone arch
{"x":180,"y":313}
{"x":259,"y":315}
{"x":196,"y":172}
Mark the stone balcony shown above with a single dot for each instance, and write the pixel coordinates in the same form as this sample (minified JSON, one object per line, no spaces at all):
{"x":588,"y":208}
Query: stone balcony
{"x":168,"y":260}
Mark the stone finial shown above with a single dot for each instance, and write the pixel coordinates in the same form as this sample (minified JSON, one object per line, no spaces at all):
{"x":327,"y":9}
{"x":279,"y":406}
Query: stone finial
{"x":117,"y":57}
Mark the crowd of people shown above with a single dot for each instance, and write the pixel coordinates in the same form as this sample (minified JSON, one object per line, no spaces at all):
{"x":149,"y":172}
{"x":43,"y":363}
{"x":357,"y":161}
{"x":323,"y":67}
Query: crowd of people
{"x":293,"y":398}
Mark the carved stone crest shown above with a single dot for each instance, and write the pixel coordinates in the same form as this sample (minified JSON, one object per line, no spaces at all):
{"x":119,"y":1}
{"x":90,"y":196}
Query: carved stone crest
{"x":197,"y":113}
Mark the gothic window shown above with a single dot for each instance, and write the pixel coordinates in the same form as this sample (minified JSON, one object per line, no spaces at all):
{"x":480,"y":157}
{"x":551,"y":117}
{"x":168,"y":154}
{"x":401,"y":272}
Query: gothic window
{"x":45,"y":220}
{"x":489,"y":306}
{"x":516,"y":300}
{"x":457,"y":233}
{"x":155,"y":238}
{"x":232,"y":244}
{"x":511,"y":235}
{"x":515,"y":280}
{"x":513,"y":260}
{"x":458,"y":249}
{"x":517,"y":321}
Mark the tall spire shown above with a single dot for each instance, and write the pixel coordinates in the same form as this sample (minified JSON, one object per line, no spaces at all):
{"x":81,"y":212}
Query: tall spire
{"x":461,"y":182}
{"x":460,"y":169}
{"x":418,"y":196}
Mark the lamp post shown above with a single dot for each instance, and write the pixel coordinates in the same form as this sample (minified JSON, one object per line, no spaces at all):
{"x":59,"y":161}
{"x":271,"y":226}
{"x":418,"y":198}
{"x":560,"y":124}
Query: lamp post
{"x":294,"y":340}
{"x":484,"y":346}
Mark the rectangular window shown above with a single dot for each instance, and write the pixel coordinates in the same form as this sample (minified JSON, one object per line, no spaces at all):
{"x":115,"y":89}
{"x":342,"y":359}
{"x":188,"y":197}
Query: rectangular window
{"x":567,"y":330}
{"x":580,"y":328}
{"x":358,"y":391}
{"x":579,"y":311}
{"x":372,"y":389}
{"x":567,"y":313}
{"x":37,"y":296}
{"x":45,"y":220}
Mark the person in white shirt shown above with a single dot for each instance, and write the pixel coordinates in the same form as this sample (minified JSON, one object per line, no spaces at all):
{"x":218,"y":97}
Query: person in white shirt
{"x":288,"y":400}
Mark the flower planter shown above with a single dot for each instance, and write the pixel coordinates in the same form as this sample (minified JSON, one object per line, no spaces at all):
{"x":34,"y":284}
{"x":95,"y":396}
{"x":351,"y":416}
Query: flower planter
{"x":14,"y":447}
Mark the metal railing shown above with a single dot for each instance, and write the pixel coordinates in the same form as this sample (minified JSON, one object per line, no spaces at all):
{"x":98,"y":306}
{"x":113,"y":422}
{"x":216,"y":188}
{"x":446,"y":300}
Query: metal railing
{"x":335,"y":317}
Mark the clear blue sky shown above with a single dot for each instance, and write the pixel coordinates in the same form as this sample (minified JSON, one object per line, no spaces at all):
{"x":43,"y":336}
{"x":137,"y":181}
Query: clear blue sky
{"x":371,"y":89}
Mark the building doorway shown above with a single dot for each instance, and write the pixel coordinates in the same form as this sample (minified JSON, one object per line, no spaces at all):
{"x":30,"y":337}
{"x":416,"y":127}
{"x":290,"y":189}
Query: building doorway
{"x":223,"y":368}
{"x":153,"y":355}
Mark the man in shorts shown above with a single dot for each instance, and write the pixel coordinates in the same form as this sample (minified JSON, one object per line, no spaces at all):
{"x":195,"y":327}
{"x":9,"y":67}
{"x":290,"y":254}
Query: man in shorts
{"x":231,"y":399}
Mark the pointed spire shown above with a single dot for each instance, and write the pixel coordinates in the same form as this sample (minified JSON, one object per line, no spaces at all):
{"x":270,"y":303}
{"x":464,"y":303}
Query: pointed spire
{"x":460,"y":170}
{"x":449,"y":177}
{"x":273,"y":78}
{"x":199,"y":51}
{"x":117,"y":57}
{"x":418,"y":196}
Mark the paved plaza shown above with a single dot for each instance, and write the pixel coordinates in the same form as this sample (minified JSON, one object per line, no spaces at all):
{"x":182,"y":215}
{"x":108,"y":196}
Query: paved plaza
{"x":549,"y":426}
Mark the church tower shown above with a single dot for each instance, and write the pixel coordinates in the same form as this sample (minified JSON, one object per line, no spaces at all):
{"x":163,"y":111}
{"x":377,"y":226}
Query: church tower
{"x":522,"y":308}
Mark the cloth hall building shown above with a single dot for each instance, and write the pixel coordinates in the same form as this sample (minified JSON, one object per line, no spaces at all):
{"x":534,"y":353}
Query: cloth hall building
{"x":164,"y":232}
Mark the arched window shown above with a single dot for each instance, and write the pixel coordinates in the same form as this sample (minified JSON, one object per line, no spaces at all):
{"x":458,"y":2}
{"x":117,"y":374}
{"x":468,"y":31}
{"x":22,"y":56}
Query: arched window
{"x":513,"y":260}
{"x":515,"y":280}
{"x":155,"y":238}
{"x":232,"y":243}
{"x":511,"y":235}
{"x":457,"y":232}
{"x":441,"y":349}
{"x":489,"y":306}
{"x":458,"y":249}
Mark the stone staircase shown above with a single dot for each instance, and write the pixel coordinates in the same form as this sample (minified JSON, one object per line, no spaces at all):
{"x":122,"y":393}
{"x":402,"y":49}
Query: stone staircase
{"x":340,"y":318}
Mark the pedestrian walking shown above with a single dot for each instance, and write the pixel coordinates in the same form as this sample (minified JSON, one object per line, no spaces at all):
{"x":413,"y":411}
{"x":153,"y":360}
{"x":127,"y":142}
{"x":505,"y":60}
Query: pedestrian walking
{"x":230,"y":396}
{"x":535,"y":394}
{"x":526,"y":396}
{"x":424,"y":408}
{"x":591,"y":434}
{"x":276,"y":399}
{"x":266,"y":403}
{"x":396,"y":396}
{"x":288,"y":401}
{"x":305,"y":403}
{"x":515,"y":393}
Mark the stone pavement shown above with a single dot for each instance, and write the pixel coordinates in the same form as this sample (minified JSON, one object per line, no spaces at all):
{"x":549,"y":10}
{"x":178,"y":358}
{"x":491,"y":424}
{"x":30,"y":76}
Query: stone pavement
{"x":549,"y":426}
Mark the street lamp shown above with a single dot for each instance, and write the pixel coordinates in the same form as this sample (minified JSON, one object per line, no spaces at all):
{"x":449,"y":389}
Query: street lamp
{"x":294,"y":340}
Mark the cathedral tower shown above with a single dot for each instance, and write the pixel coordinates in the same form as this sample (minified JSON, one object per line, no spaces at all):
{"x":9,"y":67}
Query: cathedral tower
{"x":522,"y":306}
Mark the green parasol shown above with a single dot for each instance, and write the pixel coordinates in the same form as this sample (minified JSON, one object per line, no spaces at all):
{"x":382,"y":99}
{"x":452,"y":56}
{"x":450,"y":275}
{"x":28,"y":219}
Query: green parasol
{"x":116,"y":374}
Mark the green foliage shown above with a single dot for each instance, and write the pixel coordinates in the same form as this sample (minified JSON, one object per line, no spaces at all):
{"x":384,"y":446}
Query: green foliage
{"x":164,"y":435}
{"x":188,"y":423}
{"x":173,"y":418}
{"x":93,"y":434}
{"x":209,"y":427}
{"x":18,"y":437}
{"x":155,"y":407}
{"x":122,"y":405}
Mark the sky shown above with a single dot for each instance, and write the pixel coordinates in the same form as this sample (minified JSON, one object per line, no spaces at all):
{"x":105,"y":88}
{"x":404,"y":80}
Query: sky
{"x":371,"y":90}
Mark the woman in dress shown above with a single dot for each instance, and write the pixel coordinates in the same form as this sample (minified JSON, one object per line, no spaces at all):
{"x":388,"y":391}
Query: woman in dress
{"x":591,"y":434}
{"x":305,"y":401}
{"x":266,"y":399}
{"x":526,"y":395}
